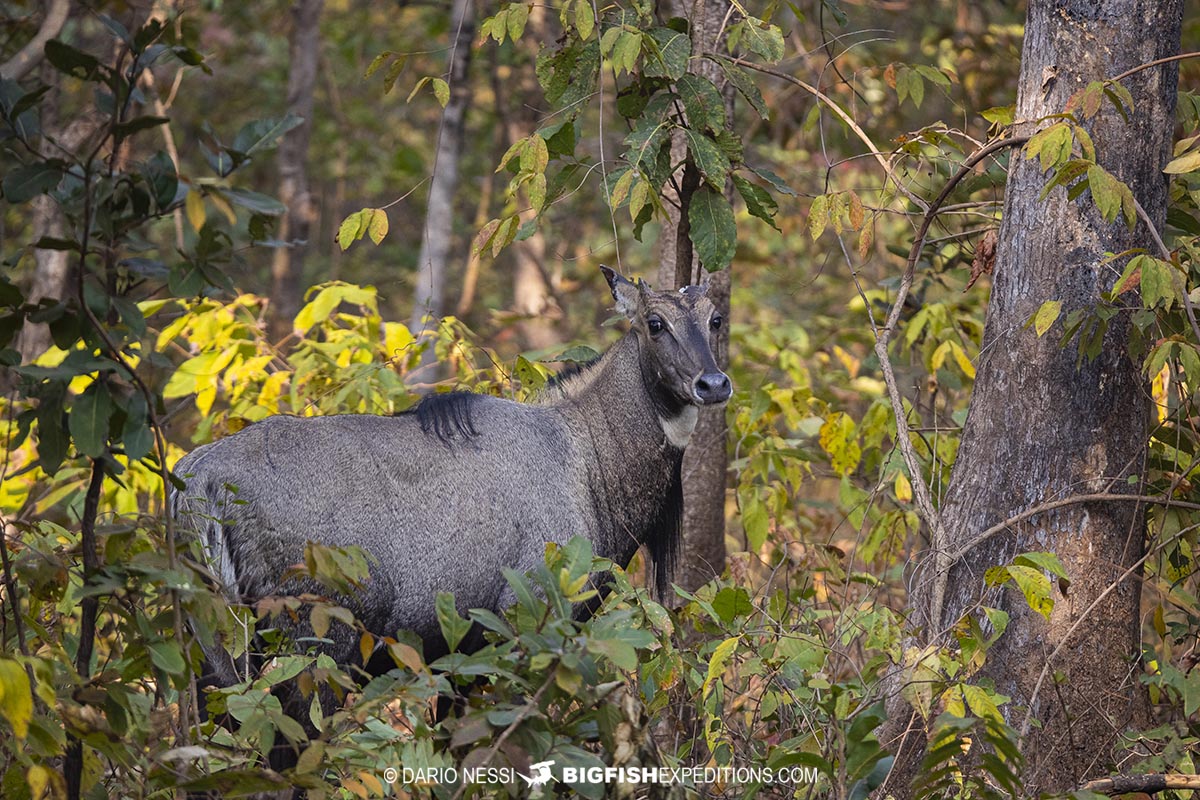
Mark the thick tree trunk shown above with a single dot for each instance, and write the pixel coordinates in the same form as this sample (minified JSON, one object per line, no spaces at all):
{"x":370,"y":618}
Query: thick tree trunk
{"x":1043,"y":426}
{"x":287,"y":268}
{"x":705,"y":462}
{"x":430,"y":290}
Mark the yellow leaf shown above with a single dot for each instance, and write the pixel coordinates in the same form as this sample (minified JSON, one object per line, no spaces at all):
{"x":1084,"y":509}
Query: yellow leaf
{"x":404,"y":655}
{"x":16,"y":698}
{"x":1160,"y":390}
{"x":41,"y":783}
{"x":1046,"y":315}
{"x":716,"y":665}
{"x":1188,"y":162}
{"x":818,"y":216}
{"x":904,"y":492}
{"x":585,"y":20}
{"x":371,"y":782}
{"x":621,"y":190}
{"x":638,"y":198}
{"x":194,"y":208}
{"x":377,"y":228}
{"x":964,"y":363}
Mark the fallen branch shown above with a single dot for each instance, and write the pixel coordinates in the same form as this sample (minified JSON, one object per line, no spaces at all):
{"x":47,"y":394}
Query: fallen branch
{"x":1146,"y":784}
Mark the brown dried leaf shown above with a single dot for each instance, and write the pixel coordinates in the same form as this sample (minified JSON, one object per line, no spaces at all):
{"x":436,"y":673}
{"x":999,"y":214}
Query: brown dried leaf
{"x":985,"y":257}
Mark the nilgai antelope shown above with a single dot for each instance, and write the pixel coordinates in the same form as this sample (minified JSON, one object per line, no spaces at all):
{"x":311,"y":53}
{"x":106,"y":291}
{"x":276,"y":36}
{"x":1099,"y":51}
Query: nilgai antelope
{"x":446,"y":496}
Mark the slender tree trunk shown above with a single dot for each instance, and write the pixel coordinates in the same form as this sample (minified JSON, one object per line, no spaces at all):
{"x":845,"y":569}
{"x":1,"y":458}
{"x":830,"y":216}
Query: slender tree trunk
{"x":429,"y":297}
{"x":52,"y":268}
{"x":1043,"y":426}
{"x":287,"y":268}
{"x":705,"y":462}
{"x":533,"y":297}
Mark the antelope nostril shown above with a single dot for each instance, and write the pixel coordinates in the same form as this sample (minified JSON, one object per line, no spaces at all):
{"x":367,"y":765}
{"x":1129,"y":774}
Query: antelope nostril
{"x":713,"y":387}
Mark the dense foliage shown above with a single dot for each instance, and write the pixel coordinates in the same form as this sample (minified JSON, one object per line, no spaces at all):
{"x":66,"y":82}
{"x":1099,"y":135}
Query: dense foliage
{"x":159,"y":342}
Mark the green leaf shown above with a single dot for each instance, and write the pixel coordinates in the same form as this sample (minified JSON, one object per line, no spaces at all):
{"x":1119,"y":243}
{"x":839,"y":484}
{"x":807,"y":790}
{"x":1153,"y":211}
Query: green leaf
{"x":441,"y":90}
{"x":745,"y":85}
{"x":25,"y":183}
{"x":1036,"y":587}
{"x":999,"y":115}
{"x":377,"y":62}
{"x":16,"y":696}
{"x":264,"y":134}
{"x":702,"y":101}
{"x":731,"y":603}
{"x":67,"y":59}
{"x":1105,"y":191}
{"x":761,"y":38}
{"x":127,"y":129}
{"x":620,"y":653}
{"x":712,"y":229}
{"x":453,"y":626}
{"x":755,"y":522}
{"x":1045,"y":561}
{"x":136,"y":435}
{"x":758,"y":201}
{"x":666,"y":53}
{"x":167,"y":656}
{"x":708,"y":158}
{"x":89,"y":418}
{"x":353,"y":227}
{"x":1046,"y":316}
{"x":645,"y":138}
{"x":256,"y":202}
{"x":625,"y":50}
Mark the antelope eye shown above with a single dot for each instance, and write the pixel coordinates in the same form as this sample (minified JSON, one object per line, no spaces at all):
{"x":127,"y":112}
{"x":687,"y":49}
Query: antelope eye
{"x":655,"y":324}
{"x":715,"y":322}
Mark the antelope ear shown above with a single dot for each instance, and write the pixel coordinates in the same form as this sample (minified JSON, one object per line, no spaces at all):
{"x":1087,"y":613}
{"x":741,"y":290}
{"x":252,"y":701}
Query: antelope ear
{"x":623,"y":291}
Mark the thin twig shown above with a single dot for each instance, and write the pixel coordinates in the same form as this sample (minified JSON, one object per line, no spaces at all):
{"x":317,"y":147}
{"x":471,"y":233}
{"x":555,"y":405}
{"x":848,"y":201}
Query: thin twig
{"x":1001,"y":527}
{"x":1083,"y":617}
{"x":1154,"y":63}
{"x":883,"y":339}
{"x":845,"y":117}
{"x":525,"y":711}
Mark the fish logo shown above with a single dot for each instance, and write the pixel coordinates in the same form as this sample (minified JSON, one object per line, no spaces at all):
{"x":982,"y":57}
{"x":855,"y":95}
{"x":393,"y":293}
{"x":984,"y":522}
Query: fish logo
{"x":541,"y":774}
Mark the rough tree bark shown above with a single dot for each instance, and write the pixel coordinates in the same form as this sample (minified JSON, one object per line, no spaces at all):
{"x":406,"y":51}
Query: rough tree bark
{"x":430,"y":290}
{"x":705,"y":462}
{"x":287,"y":267}
{"x":1043,"y":428}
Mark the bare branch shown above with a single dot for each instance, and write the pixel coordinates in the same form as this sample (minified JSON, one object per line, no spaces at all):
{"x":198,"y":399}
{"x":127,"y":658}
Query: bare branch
{"x":28,"y":56}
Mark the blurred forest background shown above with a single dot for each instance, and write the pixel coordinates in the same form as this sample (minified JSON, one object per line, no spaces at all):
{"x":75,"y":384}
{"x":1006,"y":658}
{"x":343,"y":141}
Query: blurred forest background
{"x":337,"y":206}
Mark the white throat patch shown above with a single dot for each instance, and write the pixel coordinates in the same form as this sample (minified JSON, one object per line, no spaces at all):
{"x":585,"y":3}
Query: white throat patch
{"x":679,"y":429}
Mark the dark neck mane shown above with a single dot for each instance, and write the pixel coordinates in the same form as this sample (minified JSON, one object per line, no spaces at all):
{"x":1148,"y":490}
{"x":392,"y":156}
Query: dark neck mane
{"x":633,"y":471}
